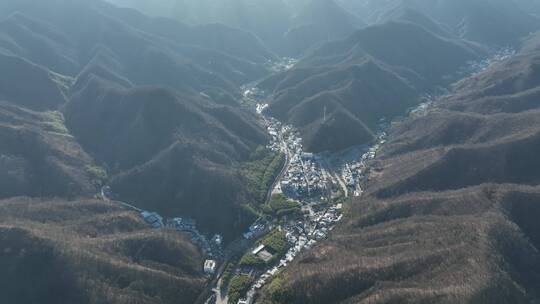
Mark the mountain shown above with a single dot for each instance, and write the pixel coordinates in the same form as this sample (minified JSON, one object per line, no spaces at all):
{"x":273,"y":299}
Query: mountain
{"x":147,"y":99}
{"x":473,"y":245}
{"x":30,"y":85}
{"x":87,"y":251}
{"x":511,"y":87}
{"x":279,"y":24}
{"x":490,"y":22}
{"x":421,"y":53}
{"x":320,"y":21}
{"x":448,"y":210}
{"x":268,"y":20}
{"x":132,"y":44}
{"x":352,"y":99}
{"x":38,"y":157}
{"x":145,"y":103}
{"x":361,"y":79}
{"x":171,"y":152}
{"x":95,"y":95}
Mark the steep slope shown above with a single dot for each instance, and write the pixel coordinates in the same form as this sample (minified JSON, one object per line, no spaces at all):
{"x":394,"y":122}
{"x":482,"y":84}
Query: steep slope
{"x":175,"y":153}
{"x":407,"y":14}
{"x":422,"y":52}
{"x":30,"y":85}
{"x":468,"y":246}
{"x":362,"y":79}
{"x":447,"y":213}
{"x":450,"y":128}
{"x":511,"y":86}
{"x":341,"y":100}
{"x":287,"y":28}
{"x":151,"y":100}
{"x":137,"y":45}
{"x":38,"y":157}
{"x":465,"y":149}
{"x":320,"y":21}
{"x":268,"y":19}
{"x":491,"y":22}
{"x":91,"y":252}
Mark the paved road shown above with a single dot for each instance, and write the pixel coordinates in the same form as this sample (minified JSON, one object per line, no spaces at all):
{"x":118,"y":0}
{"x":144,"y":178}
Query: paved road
{"x":282,"y":172}
{"x":240,"y":245}
{"x":236,"y":248}
{"x":277,"y":179}
{"x":220,"y":298}
{"x":124,"y":204}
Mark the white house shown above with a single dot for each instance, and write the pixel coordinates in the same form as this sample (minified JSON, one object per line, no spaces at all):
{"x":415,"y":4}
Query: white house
{"x":258,"y":249}
{"x":209,"y":266}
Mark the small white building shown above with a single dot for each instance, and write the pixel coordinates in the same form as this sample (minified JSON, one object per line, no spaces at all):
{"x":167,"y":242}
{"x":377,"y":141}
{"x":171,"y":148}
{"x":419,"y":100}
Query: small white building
{"x":258,"y":249}
{"x":209,"y":266}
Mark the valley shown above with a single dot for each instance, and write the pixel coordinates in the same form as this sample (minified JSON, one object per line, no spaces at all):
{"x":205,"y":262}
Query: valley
{"x":269,"y":151}
{"x":306,"y":180}
{"x":405,"y":200}
{"x":316,"y":186}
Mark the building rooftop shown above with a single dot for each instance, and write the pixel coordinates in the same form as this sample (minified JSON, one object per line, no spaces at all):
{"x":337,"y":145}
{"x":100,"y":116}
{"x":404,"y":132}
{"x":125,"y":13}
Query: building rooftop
{"x":209,"y":266}
{"x":258,"y":249}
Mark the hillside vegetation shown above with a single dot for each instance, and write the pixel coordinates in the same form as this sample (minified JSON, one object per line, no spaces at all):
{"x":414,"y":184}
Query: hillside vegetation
{"x":89,"y":251}
{"x":39,"y":157}
{"x":347,"y":86}
{"x":149,"y":99}
{"x":148,"y":105}
{"x":449,"y":208}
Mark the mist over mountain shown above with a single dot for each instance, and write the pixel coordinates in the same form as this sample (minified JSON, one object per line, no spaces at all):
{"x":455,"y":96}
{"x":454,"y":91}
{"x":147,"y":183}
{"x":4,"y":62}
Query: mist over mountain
{"x":137,"y":69}
{"x":423,"y":117}
{"x":365,"y":79}
{"x":287,"y":27}
{"x":493,"y":22}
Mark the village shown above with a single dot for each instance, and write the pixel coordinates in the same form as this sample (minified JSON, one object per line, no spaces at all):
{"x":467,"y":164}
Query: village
{"x":307,"y":179}
{"x":211,"y":248}
{"x":304,"y":175}
{"x":320,"y":190}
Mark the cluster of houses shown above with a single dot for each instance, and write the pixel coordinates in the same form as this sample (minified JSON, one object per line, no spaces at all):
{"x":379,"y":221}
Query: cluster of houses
{"x":303,"y":177}
{"x":282,"y":65}
{"x":306,"y":181}
{"x":182,"y":224}
{"x":212,"y":248}
{"x":251,"y":97}
{"x":215,"y":250}
{"x":257,"y":229}
{"x":301,"y":235}
{"x":188,"y":225}
{"x":354,"y":173}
